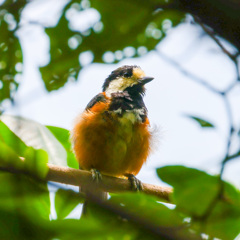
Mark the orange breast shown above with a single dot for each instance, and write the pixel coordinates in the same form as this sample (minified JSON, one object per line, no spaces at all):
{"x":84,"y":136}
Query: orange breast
{"x":103,"y":141}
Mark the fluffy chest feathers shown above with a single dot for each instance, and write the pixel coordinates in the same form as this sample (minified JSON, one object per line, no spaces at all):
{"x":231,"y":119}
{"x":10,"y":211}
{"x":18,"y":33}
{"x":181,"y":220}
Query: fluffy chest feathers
{"x":132,"y":116}
{"x":130,"y":109}
{"x":112,"y":135}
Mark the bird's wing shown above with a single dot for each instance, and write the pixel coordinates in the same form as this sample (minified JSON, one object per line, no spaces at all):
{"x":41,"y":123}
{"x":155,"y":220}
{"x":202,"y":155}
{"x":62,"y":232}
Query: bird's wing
{"x":98,"y":98}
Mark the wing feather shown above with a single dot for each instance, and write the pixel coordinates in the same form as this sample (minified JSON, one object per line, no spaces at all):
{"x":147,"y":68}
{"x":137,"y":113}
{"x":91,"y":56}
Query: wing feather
{"x":98,"y":98}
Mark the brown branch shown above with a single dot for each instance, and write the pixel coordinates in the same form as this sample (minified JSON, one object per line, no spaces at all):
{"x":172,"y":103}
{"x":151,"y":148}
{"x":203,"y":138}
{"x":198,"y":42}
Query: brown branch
{"x":83,"y":178}
{"x":108,"y":184}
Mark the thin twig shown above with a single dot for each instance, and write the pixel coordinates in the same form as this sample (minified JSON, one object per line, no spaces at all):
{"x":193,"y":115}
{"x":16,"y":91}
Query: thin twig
{"x":234,"y":156}
{"x":212,"y":35}
{"x":233,"y":57}
{"x":187,"y":73}
{"x":231,"y":131}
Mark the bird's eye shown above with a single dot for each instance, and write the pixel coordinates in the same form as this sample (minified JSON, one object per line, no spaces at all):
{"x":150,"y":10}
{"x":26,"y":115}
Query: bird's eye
{"x":127,"y":74}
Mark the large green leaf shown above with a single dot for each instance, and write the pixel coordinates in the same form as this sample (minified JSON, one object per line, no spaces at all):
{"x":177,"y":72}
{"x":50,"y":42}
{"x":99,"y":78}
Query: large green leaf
{"x":194,"y":190}
{"x":25,"y":195}
{"x":151,"y":209}
{"x":196,"y":194}
{"x":17,"y":226}
{"x":92,"y":228}
{"x":224,"y":220}
{"x":121,"y":24}
{"x":14,"y":151}
{"x":24,"y":204}
{"x":37,"y":136}
{"x":35,"y":161}
{"x":10,"y":139}
{"x":62,"y":135}
{"x":149,"y":213}
{"x":9,"y":158}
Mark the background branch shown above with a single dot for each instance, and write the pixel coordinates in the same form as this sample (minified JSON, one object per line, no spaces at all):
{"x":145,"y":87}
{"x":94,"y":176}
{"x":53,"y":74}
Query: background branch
{"x":187,"y":73}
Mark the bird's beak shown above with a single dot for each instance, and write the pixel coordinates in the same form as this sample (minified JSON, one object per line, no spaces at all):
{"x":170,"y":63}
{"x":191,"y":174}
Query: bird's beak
{"x":145,"y":80}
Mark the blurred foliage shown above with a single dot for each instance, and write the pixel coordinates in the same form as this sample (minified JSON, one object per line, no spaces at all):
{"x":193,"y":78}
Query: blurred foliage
{"x":10,"y":49}
{"x":14,"y":151}
{"x":196,"y":195}
{"x":197,"y":205}
{"x":56,"y":142}
{"x":124,"y":29}
{"x":120,"y":30}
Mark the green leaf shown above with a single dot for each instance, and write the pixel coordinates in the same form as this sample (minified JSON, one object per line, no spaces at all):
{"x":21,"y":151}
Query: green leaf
{"x":62,"y":135}
{"x":65,"y":202}
{"x":36,"y":162}
{"x":12,"y":148}
{"x":11,"y":140}
{"x":18,"y":226}
{"x":148,"y":211}
{"x":121,"y":24}
{"x":147,"y":207}
{"x":9,"y":158}
{"x":24,"y":204}
{"x":91,"y":228}
{"x":37,"y":136}
{"x":194,"y":190}
{"x":203,"y":123}
{"x":22,"y":194}
{"x":224,"y":220}
{"x":10,"y":50}
{"x":194,"y":193}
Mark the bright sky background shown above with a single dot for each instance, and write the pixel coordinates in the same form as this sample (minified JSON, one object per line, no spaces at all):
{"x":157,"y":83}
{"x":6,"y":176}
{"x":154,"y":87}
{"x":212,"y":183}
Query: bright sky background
{"x":169,"y":98}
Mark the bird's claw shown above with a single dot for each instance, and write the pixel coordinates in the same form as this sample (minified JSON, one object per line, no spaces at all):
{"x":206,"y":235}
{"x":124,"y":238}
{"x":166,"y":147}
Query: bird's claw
{"x":136,"y":184}
{"x":96,"y":175}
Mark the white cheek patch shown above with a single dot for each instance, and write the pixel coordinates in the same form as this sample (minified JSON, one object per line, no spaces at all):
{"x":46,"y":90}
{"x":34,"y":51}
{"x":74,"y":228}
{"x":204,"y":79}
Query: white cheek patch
{"x":118,"y":85}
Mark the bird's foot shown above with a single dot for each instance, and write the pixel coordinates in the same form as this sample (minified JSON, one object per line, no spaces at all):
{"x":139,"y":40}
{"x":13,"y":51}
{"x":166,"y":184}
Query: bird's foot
{"x":136,"y":184}
{"x":96,"y":175}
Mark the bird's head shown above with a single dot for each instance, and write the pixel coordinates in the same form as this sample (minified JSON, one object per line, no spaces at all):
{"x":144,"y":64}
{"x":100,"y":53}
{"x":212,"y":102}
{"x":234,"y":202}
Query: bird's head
{"x":126,"y":78}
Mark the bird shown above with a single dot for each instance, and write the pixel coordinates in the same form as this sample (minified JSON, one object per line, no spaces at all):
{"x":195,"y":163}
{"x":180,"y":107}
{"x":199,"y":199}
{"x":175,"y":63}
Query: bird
{"x":112,"y":136}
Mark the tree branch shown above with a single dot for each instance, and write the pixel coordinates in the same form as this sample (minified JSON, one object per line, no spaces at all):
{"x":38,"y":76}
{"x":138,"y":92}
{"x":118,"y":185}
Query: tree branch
{"x":83,"y":178}
{"x":108,"y":184}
